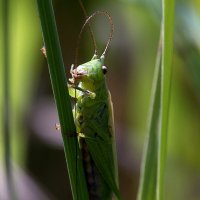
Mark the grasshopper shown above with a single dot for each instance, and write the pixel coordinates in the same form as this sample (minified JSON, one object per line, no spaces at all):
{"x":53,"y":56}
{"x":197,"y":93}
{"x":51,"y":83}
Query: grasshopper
{"x":93,"y":116}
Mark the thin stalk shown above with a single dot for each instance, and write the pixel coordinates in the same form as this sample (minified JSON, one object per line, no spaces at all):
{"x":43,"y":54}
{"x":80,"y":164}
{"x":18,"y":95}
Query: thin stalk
{"x":6,"y":107}
{"x":62,"y":99}
{"x":166,"y":70}
{"x":148,"y":177}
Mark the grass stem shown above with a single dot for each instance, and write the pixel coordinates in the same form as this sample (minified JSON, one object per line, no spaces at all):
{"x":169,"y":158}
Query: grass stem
{"x":166,"y":71}
{"x":62,"y":99}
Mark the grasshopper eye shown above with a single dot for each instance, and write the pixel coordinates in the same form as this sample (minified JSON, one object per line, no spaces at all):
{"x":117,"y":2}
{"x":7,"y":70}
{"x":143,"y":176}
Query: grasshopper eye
{"x":104,"y":69}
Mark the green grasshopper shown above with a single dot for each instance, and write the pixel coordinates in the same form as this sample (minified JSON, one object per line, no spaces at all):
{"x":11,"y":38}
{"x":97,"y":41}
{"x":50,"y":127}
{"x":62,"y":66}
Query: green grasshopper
{"x":93,"y":117}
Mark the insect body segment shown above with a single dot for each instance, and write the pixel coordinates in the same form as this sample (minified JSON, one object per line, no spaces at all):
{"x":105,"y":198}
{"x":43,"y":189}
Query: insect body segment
{"x":92,"y":119}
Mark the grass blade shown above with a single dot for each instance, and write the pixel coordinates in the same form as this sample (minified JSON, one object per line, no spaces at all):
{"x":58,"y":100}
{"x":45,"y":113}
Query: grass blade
{"x":153,"y":166}
{"x":166,"y":70}
{"x":6,"y":100}
{"x":59,"y":85}
{"x":148,"y":177}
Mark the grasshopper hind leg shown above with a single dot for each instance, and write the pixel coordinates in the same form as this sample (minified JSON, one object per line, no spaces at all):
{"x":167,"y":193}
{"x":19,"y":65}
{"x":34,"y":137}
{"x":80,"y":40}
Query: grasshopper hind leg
{"x":95,"y":182}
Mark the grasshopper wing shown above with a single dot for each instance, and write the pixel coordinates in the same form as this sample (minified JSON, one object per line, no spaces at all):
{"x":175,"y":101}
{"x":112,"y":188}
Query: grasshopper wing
{"x":103,"y":152}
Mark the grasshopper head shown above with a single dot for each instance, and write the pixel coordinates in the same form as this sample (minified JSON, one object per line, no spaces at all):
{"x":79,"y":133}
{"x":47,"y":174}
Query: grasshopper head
{"x":91,"y":71}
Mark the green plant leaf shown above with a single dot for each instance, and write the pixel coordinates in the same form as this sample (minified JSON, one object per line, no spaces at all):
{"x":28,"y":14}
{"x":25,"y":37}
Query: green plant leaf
{"x":166,"y":70}
{"x":148,"y":177}
{"x":153,"y":165}
{"x":61,"y":95}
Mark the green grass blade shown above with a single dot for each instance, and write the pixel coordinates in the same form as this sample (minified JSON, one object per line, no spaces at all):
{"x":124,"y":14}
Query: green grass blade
{"x":7,"y":100}
{"x":153,"y":166}
{"x":59,"y":85}
{"x":148,"y":177}
{"x":166,"y":70}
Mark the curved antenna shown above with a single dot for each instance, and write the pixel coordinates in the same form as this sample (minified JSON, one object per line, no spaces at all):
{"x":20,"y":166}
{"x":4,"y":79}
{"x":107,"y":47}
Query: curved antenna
{"x":90,"y":29}
{"x":86,"y":22}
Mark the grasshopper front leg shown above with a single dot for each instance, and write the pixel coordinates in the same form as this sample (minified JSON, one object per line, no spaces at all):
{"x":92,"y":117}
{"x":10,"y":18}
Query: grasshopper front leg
{"x":75,"y":92}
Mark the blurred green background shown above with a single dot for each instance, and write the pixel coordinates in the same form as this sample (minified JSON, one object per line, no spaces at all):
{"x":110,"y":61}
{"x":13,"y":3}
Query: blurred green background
{"x":38,"y":160}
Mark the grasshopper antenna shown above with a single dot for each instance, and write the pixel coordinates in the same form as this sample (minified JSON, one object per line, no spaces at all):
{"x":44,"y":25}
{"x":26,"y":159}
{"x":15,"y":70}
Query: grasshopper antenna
{"x":90,"y":29}
{"x":87,"y":22}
